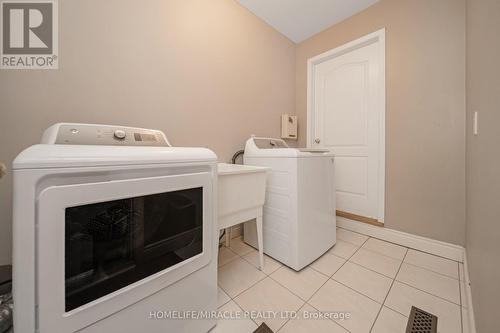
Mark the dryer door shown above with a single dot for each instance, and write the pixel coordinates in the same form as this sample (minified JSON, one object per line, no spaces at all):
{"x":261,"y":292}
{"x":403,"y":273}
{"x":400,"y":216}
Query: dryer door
{"x":104,"y":246}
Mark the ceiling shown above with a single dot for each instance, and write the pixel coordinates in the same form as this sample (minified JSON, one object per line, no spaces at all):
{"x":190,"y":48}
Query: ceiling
{"x":300,"y":19}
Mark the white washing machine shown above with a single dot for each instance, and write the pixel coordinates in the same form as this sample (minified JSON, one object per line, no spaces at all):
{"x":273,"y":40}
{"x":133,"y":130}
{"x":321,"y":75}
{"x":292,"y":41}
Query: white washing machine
{"x":114,"y":231}
{"x":299,"y":222}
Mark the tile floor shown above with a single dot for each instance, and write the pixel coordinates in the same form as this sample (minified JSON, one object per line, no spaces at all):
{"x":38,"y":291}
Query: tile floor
{"x":374,"y":281}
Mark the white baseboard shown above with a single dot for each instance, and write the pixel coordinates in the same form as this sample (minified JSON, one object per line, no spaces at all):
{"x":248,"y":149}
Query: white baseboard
{"x":468,"y":299}
{"x":442,"y":249}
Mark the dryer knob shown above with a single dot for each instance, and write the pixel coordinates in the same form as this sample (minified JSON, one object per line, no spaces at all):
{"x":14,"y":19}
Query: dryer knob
{"x":120,"y":135}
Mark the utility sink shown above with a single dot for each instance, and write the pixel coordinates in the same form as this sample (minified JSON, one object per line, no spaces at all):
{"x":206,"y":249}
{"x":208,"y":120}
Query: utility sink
{"x":241,"y":196}
{"x":241,"y":188}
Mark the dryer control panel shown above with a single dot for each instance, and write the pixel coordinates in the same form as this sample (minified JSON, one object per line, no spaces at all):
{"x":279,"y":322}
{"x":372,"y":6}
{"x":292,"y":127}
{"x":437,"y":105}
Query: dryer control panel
{"x":108,"y":135}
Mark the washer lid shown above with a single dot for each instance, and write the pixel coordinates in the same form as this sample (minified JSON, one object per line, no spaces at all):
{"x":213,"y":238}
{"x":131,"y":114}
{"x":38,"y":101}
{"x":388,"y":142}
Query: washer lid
{"x":68,"y":156}
{"x":272,"y":147}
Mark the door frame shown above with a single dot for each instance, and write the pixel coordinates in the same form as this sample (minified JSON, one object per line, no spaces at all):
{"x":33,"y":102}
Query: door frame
{"x":378,"y":38}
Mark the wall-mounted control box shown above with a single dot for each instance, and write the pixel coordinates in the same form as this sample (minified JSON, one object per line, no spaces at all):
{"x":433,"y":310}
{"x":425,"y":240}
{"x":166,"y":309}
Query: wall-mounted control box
{"x":288,"y":127}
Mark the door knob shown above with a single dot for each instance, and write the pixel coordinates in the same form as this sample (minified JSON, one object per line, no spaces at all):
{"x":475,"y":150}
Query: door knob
{"x":317,"y":140}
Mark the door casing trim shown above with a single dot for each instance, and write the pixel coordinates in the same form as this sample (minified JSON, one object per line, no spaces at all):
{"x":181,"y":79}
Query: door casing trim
{"x":377,"y":37}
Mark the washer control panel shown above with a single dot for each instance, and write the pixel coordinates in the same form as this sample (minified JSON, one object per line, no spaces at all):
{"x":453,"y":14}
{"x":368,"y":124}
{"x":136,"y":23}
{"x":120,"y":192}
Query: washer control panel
{"x":109,"y":135}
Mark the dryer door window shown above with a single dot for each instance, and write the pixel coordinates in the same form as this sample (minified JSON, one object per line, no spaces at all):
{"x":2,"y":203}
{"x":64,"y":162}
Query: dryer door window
{"x":110,"y":245}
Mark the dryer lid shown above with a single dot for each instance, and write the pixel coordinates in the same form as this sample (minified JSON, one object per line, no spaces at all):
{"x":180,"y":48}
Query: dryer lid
{"x":70,"y":156}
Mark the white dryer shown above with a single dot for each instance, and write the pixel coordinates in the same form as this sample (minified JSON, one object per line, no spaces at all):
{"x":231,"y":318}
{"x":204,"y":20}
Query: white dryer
{"x":299,"y":222}
{"x":114,"y":231}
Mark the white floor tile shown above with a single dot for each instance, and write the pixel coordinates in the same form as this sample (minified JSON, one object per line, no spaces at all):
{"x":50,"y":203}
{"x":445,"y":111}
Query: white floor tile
{"x":303,"y":284}
{"x":431,"y":282}
{"x":377,"y":262}
{"x":308,"y":321}
{"x":328,"y":264}
{"x":433,"y":263}
{"x":233,"y":325}
{"x":226,"y":256}
{"x":364,"y":281}
{"x":343,"y":249}
{"x":239,"y":247}
{"x":390,"y":321}
{"x":402,"y":297}
{"x":270,"y":265}
{"x":237,"y":276}
{"x":334,"y":297}
{"x":385,"y":248}
{"x":268,"y":295}
{"x":222,"y":297}
{"x":351,"y":237}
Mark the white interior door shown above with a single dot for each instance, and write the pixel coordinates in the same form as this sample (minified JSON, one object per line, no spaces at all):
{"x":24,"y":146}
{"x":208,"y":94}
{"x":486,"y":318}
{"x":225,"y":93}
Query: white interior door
{"x":347,"y":116}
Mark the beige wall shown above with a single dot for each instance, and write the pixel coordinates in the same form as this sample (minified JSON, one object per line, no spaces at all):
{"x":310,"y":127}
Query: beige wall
{"x":208,"y":73}
{"x":483,"y":160}
{"x":425,"y":79}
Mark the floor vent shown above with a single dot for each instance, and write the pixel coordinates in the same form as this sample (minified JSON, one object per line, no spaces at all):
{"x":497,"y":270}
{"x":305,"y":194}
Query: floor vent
{"x":263,"y":328}
{"x":421,"y":322}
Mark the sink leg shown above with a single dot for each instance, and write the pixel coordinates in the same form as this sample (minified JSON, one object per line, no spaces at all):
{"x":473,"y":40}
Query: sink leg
{"x":228,"y":237}
{"x":258,"y":221}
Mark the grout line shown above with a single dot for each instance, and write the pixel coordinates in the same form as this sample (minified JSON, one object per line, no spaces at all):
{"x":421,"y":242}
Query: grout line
{"x":280,"y":264}
{"x":300,"y":298}
{"x":428,"y":293}
{"x":368,"y":268}
{"x":330,"y":278}
{"x":305,"y":300}
{"x":383,"y":254}
{"x":408,"y":263}
{"x":253,"y":284}
{"x":269,"y":276}
{"x":230,"y":299}
{"x":239,"y":307}
{"x":388,"y":292}
{"x":430,"y":270}
{"x":357,"y":291}
{"x":361,"y":247}
{"x":230,"y":261}
{"x":407,"y":247}
{"x":444,"y":299}
{"x":397,"y":311}
{"x":350,"y":242}
{"x":432,"y":254}
{"x":328,"y":319}
{"x":266,"y":276}
{"x":298,"y":310}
